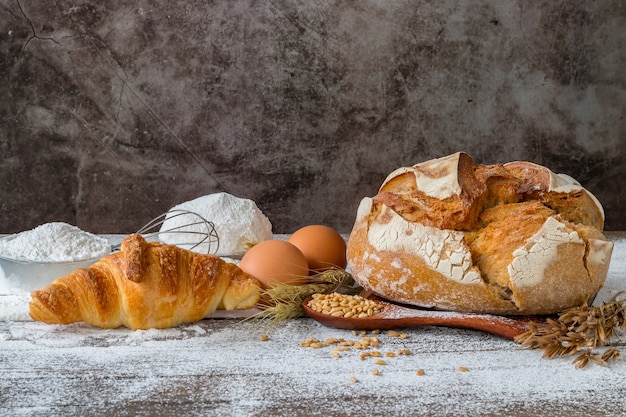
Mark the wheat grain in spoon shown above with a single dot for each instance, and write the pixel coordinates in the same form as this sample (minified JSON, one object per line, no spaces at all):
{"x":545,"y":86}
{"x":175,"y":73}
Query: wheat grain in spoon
{"x":395,"y":316}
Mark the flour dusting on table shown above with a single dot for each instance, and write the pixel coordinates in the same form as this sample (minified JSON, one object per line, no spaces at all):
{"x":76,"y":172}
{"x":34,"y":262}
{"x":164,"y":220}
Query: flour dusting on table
{"x":257,"y":375}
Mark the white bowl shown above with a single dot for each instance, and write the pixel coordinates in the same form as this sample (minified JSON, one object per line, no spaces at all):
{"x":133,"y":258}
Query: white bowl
{"x":30,"y":275}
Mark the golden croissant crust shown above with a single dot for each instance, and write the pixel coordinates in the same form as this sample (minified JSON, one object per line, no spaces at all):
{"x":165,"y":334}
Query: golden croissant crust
{"x":145,"y":285}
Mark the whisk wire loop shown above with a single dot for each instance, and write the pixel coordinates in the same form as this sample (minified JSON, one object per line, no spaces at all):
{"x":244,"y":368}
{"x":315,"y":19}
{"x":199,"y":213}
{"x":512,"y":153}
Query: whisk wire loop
{"x":197,"y":231}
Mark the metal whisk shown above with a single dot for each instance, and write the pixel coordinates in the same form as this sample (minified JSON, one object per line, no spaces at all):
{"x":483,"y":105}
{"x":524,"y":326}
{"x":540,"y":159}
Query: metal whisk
{"x":182,"y":228}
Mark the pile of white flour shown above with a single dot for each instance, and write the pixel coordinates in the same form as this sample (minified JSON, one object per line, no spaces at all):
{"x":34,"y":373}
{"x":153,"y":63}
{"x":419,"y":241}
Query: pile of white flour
{"x":238,"y":221}
{"x":54,"y":242}
{"x":50,"y":242}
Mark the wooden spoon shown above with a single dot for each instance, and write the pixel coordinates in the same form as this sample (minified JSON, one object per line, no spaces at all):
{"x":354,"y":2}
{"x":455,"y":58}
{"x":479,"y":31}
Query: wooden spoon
{"x":393,"y":316}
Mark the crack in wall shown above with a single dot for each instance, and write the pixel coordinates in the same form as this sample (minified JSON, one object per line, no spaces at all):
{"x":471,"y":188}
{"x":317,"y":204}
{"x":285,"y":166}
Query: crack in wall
{"x":116,"y":68}
{"x":79,"y":188}
{"x":119,"y":109}
{"x":124,"y":79}
{"x":34,"y":32}
{"x":119,"y":73}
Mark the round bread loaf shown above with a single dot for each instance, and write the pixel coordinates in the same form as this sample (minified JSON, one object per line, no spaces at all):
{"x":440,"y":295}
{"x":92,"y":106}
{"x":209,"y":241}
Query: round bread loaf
{"x":502,"y":239}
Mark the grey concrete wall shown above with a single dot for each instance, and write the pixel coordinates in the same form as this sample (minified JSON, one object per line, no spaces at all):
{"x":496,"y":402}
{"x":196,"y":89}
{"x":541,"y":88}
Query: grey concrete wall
{"x":113,"y":111}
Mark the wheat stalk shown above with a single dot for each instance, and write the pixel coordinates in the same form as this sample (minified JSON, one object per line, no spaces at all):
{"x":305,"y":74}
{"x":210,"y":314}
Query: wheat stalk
{"x":283,"y":301}
{"x":577,"y":329}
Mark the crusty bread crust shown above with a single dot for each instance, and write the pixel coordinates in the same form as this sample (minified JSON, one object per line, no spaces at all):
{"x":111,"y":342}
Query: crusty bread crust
{"x":502,"y":239}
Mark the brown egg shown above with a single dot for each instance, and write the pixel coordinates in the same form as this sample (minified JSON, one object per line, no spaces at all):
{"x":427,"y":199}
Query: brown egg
{"x":322,"y":247}
{"x":275,"y":261}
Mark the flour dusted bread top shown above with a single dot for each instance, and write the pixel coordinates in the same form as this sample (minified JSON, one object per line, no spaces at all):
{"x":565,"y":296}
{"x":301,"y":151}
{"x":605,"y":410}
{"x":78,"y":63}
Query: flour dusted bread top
{"x":504,"y":239}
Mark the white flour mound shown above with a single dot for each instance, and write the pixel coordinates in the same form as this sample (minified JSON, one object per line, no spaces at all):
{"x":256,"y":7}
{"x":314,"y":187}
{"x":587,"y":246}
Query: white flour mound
{"x":237,"y":221}
{"x":54,"y":242}
{"x":53,"y":248}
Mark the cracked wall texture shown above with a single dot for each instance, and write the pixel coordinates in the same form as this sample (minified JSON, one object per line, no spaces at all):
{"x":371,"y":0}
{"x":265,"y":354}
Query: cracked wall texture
{"x":112,"y":112}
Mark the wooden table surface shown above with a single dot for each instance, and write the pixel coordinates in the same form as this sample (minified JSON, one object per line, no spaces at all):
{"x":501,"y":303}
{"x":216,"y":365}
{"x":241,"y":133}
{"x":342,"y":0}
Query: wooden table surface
{"x":221,"y":367}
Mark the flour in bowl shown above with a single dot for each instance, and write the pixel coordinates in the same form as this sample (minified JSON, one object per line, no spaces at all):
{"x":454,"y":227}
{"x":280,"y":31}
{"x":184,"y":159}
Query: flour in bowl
{"x":54,"y":242}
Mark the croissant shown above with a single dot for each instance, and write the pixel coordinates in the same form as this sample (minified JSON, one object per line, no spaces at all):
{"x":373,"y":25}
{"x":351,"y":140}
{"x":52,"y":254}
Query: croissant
{"x":145,"y":285}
